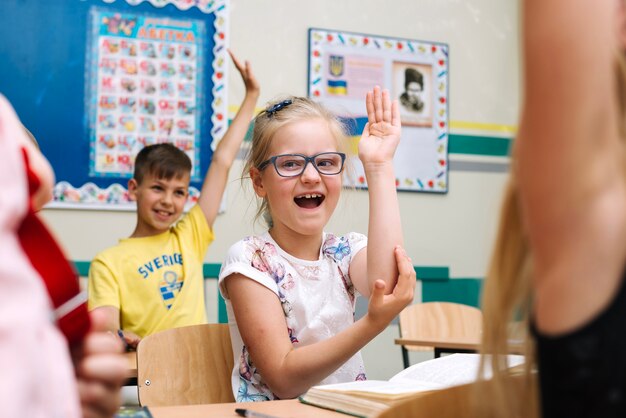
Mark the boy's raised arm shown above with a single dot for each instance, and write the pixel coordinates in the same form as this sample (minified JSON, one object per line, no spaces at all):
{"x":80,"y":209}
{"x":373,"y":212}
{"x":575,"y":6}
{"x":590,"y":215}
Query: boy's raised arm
{"x":226,"y":150}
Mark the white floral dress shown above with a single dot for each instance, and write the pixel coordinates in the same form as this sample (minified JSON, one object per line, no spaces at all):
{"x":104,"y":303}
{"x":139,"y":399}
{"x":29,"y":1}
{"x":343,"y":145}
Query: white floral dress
{"x":317,"y":297}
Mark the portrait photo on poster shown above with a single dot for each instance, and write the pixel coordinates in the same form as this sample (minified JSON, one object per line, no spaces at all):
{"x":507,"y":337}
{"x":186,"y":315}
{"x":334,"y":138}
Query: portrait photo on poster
{"x":412,"y":86}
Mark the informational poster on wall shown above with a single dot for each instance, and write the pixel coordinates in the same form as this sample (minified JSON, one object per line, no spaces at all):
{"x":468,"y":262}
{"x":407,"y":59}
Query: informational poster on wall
{"x":343,"y":66}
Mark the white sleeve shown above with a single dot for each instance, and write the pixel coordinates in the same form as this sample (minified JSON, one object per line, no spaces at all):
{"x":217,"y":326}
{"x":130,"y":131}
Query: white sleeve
{"x":241,"y":259}
{"x":356,"y":242}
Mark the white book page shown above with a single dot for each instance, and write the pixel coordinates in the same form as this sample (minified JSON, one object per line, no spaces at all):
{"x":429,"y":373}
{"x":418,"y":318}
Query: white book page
{"x":382,"y":386}
{"x":451,"y":370}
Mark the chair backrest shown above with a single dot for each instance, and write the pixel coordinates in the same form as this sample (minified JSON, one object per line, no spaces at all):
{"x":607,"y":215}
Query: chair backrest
{"x":437,"y":320}
{"x":185,"y":366}
{"x":464,"y":401}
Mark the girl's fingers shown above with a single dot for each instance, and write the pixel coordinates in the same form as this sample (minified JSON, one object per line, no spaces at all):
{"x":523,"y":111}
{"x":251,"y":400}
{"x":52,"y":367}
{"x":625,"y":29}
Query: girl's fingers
{"x":369,"y":106}
{"x":98,"y":401}
{"x":101,"y":342}
{"x":378,"y":293}
{"x":405,"y":268}
{"x":386,"y":106}
{"x":395,"y":113}
{"x":110,"y":368}
{"x":98,"y":321}
{"x":378,"y":104}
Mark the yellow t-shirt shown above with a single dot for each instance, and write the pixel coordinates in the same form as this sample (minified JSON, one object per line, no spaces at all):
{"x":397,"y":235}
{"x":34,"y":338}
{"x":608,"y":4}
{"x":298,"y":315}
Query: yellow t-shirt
{"x":156,"y":282}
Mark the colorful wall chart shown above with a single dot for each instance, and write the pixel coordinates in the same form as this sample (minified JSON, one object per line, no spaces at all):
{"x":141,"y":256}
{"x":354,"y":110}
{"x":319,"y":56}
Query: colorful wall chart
{"x":343,"y":66}
{"x":146,"y":88}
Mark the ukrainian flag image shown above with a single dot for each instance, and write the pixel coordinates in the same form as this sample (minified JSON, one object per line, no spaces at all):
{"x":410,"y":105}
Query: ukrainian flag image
{"x":338,"y":87}
{"x":354,"y":129}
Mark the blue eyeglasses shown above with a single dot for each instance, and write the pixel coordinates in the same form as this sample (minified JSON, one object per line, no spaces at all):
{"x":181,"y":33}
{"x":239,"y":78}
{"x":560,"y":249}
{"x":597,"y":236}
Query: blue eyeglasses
{"x":293,"y":165}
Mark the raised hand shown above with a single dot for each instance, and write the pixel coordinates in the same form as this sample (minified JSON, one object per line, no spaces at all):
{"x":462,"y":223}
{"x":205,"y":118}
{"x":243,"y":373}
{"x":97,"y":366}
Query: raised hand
{"x":245,"y":69}
{"x":383,"y":308}
{"x":381,"y":134}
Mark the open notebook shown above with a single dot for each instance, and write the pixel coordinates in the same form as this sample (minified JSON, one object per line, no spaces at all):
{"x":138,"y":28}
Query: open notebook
{"x":369,"y":397}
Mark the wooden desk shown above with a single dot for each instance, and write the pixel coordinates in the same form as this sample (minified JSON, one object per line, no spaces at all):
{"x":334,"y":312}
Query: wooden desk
{"x":131,"y":372}
{"x":442,"y":345}
{"x":280,"y":409}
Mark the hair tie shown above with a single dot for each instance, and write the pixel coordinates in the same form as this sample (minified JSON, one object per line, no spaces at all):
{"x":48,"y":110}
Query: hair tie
{"x":278,"y":106}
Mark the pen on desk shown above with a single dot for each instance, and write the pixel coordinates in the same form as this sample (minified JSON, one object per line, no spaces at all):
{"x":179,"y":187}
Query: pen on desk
{"x":252,"y":414}
{"x":120,"y":333}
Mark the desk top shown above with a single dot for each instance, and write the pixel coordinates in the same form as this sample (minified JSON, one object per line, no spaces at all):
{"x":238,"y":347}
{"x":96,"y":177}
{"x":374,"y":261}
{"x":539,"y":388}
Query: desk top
{"x":279,"y":409}
{"x":455,"y":343}
{"x":131,"y":358}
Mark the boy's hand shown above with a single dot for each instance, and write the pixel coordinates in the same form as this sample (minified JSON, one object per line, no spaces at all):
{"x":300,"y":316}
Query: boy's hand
{"x":245,"y":69}
{"x":383,"y":308}
{"x":100,"y":371}
{"x":130,"y":339}
{"x":381,"y":134}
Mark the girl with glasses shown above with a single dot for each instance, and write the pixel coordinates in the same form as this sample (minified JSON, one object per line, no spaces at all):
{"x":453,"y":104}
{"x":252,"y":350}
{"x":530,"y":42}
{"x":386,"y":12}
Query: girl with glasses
{"x":290,"y":292}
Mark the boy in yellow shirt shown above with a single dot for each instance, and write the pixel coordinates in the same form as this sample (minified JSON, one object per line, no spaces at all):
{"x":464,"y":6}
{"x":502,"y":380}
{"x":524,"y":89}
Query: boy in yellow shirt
{"x":153,"y":280}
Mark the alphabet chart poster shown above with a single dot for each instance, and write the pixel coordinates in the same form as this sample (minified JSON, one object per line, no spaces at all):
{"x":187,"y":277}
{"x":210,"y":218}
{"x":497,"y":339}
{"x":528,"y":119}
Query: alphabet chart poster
{"x":146,"y":88}
{"x":343,"y":66}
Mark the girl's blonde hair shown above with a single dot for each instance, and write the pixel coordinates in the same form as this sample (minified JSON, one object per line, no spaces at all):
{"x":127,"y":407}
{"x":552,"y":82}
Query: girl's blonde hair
{"x":507,"y":297}
{"x":506,"y":305}
{"x":278,"y":114}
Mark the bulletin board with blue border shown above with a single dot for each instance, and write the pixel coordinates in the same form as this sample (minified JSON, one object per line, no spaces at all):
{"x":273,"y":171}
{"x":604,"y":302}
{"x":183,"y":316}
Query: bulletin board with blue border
{"x":97,"y":80}
{"x":343,"y":66}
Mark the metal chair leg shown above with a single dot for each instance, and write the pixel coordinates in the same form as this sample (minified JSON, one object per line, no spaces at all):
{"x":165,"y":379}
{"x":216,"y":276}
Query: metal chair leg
{"x":405,"y":357}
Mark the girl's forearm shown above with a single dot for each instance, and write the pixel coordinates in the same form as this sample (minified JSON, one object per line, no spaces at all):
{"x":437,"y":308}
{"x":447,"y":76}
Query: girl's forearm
{"x":384,"y":228}
{"x":306,"y":366}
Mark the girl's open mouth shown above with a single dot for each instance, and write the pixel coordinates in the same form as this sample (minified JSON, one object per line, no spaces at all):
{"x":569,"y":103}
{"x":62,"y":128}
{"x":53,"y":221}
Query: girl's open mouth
{"x":309,"y":201}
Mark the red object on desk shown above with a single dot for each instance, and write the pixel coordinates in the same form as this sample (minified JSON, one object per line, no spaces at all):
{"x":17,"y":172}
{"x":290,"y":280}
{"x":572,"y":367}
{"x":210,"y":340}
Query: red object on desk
{"x":58,"y":275}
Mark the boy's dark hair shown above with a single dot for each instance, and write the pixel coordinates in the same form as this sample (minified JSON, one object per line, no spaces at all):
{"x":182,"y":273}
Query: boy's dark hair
{"x":164,"y":161}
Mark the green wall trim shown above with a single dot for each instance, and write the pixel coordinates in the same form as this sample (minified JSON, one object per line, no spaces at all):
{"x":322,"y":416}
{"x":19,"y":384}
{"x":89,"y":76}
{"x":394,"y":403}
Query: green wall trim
{"x":479,"y":145}
{"x":211,"y":270}
{"x":436,"y":285}
{"x":82,"y":267}
{"x":458,"y":290}
{"x":432,"y":273}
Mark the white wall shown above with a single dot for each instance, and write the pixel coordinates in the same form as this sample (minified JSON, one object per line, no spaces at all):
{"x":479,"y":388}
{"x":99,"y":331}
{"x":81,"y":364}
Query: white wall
{"x":452,"y":230}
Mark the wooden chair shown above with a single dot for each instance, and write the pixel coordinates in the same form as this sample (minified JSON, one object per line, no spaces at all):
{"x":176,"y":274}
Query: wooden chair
{"x":185,"y":366}
{"x":438,"y":321}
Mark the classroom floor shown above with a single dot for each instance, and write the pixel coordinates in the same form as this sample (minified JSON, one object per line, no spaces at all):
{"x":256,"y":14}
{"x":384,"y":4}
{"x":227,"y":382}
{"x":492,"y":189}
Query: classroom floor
{"x":129,"y":396}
